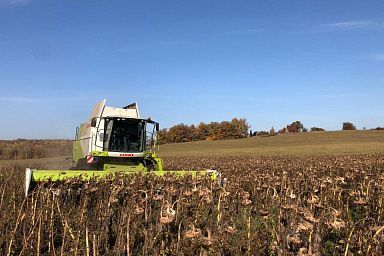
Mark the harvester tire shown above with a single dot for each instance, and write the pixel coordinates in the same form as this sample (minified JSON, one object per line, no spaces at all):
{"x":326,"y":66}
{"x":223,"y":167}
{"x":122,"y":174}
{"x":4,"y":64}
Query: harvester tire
{"x":83,"y":165}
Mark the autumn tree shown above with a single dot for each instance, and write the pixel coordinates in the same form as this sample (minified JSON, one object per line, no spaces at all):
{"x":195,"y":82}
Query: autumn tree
{"x":181,"y":133}
{"x":272,"y":132}
{"x":234,"y":129}
{"x":348,"y":126}
{"x":162,"y":136}
{"x":317,"y":129}
{"x":299,"y":125}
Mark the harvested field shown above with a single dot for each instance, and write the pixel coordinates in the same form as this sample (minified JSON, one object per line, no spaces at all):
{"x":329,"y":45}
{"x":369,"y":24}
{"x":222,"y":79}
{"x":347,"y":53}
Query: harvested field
{"x":294,"y":144}
{"x":270,"y":206}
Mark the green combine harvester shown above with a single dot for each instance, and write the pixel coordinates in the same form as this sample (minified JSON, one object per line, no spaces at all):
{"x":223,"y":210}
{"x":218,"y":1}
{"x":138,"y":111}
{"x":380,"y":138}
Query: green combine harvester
{"x":113,"y":140}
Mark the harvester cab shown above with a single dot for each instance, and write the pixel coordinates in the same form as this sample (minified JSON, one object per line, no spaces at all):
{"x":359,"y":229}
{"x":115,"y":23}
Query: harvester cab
{"x":112,"y":141}
{"x":116,"y":138}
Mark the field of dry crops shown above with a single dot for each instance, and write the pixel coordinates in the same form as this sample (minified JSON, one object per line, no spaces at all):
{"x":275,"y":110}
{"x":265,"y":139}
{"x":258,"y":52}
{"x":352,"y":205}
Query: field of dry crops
{"x":316,"y":205}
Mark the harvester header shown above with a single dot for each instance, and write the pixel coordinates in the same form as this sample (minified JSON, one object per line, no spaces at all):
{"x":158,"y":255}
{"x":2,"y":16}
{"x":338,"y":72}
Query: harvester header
{"x":113,"y":140}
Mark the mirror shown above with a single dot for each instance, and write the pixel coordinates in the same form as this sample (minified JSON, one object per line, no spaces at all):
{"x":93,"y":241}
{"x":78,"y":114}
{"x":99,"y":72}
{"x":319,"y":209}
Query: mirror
{"x":93,"y":122}
{"x":157,"y":127}
{"x":77,"y":133}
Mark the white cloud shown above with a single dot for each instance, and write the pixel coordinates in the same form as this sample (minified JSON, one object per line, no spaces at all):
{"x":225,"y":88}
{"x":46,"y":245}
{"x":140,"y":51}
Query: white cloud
{"x":378,"y":57}
{"x":173,"y":43}
{"x":343,"y":95}
{"x":162,"y":44}
{"x":252,"y":30}
{"x":353,"y":25}
{"x":247,"y":31}
{"x":17,"y":99}
{"x":14,"y":3}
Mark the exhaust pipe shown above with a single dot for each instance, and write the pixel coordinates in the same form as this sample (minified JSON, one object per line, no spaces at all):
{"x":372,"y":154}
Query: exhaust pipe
{"x":28,"y":180}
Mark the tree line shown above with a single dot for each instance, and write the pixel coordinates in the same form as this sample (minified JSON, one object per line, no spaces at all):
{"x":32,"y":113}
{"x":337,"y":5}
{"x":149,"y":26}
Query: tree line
{"x":235,"y":129}
{"x":297,"y":126}
{"x":29,"y":149}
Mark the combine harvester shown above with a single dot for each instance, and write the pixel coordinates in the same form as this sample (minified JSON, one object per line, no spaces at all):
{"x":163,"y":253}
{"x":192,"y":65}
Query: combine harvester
{"x":113,"y":140}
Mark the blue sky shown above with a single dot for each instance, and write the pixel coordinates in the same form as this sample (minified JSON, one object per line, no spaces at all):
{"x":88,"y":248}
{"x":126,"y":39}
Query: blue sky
{"x":271,"y":62}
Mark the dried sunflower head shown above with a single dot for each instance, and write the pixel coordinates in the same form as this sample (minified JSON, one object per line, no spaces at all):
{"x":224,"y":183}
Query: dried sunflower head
{"x":231,"y":230}
{"x":263,"y":213}
{"x":138,"y":210}
{"x":337,"y":224}
{"x":360,"y":201}
{"x":158,"y":197}
{"x":246,"y":202}
{"x":166,"y":220}
{"x":304,"y":226}
{"x":188,"y":193}
{"x":192,"y":233}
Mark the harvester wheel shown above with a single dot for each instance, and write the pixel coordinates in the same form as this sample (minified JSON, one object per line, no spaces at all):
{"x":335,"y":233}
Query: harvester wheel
{"x":83,"y":165}
{"x":150,"y":164}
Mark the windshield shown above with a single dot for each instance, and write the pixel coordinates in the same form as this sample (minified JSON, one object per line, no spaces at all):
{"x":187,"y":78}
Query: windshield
{"x":124,"y":135}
